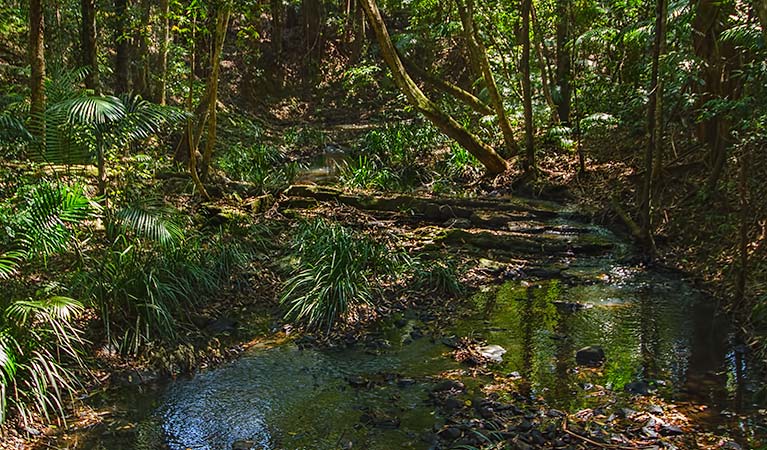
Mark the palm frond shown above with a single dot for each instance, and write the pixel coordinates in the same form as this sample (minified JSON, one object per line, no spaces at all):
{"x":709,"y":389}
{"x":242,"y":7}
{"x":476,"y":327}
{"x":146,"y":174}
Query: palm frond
{"x":8,"y":262}
{"x":151,"y":223}
{"x":44,"y":221}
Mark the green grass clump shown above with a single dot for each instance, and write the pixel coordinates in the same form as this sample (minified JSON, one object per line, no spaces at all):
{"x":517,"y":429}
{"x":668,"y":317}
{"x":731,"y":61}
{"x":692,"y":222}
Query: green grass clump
{"x":265,"y":166}
{"x":334,"y":272}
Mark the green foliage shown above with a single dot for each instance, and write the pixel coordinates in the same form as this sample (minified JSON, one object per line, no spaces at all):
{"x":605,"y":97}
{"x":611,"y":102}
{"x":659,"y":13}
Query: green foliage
{"x":460,"y":163}
{"x":334,"y":273}
{"x":34,"y":335}
{"x":264,"y":165}
{"x":392,"y":158}
{"x":304,"y":137}
{"x":361,"y":80}
{"x":439,"y":276}
{"x":367,"y":174}
{"x":46,"y":217}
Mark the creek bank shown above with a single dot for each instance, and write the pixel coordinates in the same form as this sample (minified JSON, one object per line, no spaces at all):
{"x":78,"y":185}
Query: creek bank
{"x":563,"y":296}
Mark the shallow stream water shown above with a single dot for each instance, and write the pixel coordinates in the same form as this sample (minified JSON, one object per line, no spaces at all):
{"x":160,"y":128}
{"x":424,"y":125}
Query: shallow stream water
{"x":653,"y":327}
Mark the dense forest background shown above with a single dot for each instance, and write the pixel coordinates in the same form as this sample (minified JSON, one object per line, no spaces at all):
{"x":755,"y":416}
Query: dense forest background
{"x":134,"y":134}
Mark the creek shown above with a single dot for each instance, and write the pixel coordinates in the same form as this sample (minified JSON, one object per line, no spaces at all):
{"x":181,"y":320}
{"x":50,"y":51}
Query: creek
{"x":654,"y":327}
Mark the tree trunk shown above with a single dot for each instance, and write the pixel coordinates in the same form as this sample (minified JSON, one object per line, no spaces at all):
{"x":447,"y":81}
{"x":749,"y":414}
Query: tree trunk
{"x":654,"y":128}
{"x":122,"y":50}
{"x":761,"y":12}
{"x":141,"y":83}
{"x":88,"y":43}
{"x":449,"y":88}
{"x":37,"y":62}
{"x":527,"y":90}
{"x":311,"y":10}
{"x":278,"y":27}
{"x":540,"y":50}
{"x":746,"y":215}
{"x":222,"y":25}
{"x":162,"y":90}
{"x":563,"y":61}
{"x":466,"y":11}
{"x":360,"y":34}
{"x":484,"y":153}
{"x":708,"y":24}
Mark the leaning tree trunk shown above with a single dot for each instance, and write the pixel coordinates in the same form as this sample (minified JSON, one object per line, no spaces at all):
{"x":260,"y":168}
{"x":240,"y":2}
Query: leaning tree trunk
{"x":477,"y":49}
{"x":483,"y":152}
{"x":654,"y":128}
{"x":222,"y":24}
{"x":37,"y":62}
{"x":446,"y":87}
{"x":88,"y":43}
{"x":527,"y":90}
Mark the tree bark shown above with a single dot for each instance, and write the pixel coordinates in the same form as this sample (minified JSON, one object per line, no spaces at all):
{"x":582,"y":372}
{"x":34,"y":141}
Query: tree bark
{"x":278,"y":27}
{"x":88,"y":44}
{"x":122,"y":50}
{"x":484,"y":153}
{"x":563,"y":61}
{"x":222,"y":25}
{"x":527,"y":90}
{"x":654,"y":129}
{"x":37,"y":63}
{"x":466,"y":11}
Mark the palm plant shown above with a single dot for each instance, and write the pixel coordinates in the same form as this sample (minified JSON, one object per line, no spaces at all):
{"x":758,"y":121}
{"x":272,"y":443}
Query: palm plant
{"x":35,"y":334}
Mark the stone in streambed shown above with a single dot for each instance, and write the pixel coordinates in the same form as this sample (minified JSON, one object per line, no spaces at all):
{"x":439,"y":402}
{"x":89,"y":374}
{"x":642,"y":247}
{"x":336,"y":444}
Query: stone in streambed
{"x":448,"y":385}
{"x":592,"y":356}
{"x":492,"y":352}
{"x":244,"y":444}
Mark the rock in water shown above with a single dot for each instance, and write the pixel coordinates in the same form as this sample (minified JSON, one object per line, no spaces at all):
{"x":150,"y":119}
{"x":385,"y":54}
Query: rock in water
{"x":493,"y":353}
{"x":593,"y":356}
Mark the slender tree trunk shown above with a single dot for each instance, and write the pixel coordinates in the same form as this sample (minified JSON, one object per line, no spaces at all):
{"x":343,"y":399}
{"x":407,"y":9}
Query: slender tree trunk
{"x":122,"y":50}
{"x":141,"y":83}
{"x":527,"y":90}
{"x":311,"y":11}
{"x":739,"y":302}
{"x":476,"y":47}
{"x":278,"y":27}
{"x":563,"y":60}
{"x":540,"y":50}
{"x":222,"y":25}
{"x":162,"y":90}
{"x":37,"y":62}
{"x":360,"y":34}
{"x":484,"y":153}
{"x":655,"y":103}
{"x":88,"y":43}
